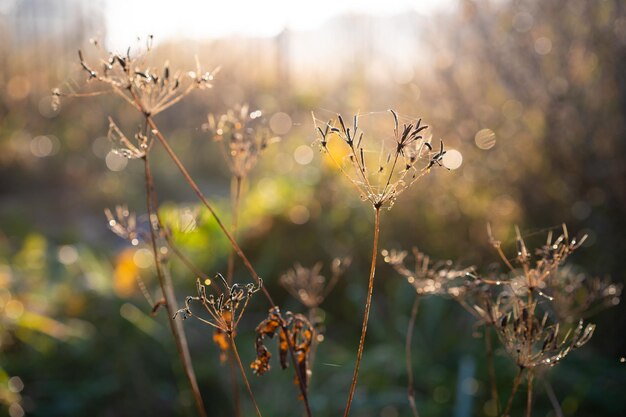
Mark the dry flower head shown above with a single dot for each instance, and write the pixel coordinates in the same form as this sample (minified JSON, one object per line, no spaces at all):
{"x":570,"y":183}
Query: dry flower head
{"x":427,"y":276}
{"x":537,"y":268}
{"x":381,"y":176}
{"x":308,"y":286}
{"x":532,"y":342}
{"x":242,"y":135}
{"x":226,"y":309}
{"x":149,"y":89}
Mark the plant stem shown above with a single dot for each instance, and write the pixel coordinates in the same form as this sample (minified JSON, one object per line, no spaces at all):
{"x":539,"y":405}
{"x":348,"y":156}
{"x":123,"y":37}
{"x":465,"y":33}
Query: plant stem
{"x":209,"y":207}
{"x":237,"y":249}
{"x":235,"y":194}
{"x":368,"y":303}
{"x":243,"y":374}
{"x":529,"y":393}
{"x":516,"y":383}
{"x":409,"y":364}
{"x":235,"y":387}
{"x":552,"y":397}
{"x":170,"y":298}
{"x":491,"y":369}
{"x":314,"y":342}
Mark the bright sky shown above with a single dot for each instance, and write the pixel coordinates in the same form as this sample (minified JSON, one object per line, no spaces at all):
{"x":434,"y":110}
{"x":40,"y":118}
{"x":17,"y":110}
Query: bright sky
{"x":127,"y":19}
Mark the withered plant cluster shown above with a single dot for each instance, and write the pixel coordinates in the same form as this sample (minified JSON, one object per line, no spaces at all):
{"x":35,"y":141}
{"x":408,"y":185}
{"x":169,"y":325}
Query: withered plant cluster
{"x":535,"y":310}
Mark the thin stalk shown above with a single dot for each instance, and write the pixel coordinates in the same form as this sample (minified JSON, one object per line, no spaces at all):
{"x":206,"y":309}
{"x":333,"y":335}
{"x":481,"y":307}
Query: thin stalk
{"x":368,"y":303}
{"x":516,"y":382}
{"x":314,"y":343}
{"x":237,"y":249}
{"x":552,"y":397}
{"x":243,"y":374}
{"x":529,"y":393}
{"x":409,"y":364}
{"x":208,"y":205}
{"x":235,"y":387}
{"x":491,"y":369}
{"x":170,"y":298}
{"x":235,"y":194}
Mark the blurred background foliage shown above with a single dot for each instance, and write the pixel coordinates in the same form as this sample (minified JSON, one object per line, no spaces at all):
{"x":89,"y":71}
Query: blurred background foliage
{"x":532,"y":93}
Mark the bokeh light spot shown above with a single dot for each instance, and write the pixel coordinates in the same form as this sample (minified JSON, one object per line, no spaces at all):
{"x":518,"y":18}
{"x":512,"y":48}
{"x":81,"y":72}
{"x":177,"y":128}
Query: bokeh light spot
{"x":303,"y":155}
{"x":16,"y":384}
{"x":67,"y":254}
{"x":16,"y":410}
{"x":18,"y":87}
{"x":115,"y":162}
{"x":13,"y":309}
{"x":280,"y":123}
{"x":101,"y":146}
{"x":452,"y":159}
{"x":42,"y":146}
{"x":299,"y":214}
{"x":523,"y":22}
{"x":543,"y":45}
{"x":143,"y":258}
{"x":485,"y":139}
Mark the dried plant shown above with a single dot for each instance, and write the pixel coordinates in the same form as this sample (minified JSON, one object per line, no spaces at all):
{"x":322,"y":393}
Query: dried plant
{"x":224,"y":313}
{"x":300,"y":334}
{"x":518,"y":308}
{"x":225,"y":310}
{"x":536,"y":270}
{"x":428,"y":277}
{"x":149,"y":89}
{"x":309,"y":287}
{"x":398,"y":165}
{"x":532,"y":342}
{"x":529,"y":337}
{"x":242,"y":135}
{"x":380,"y":186}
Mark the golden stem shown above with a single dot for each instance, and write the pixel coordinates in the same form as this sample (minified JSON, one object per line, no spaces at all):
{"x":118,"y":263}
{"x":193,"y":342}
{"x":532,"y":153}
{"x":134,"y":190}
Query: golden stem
{"x":368,"y":303}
